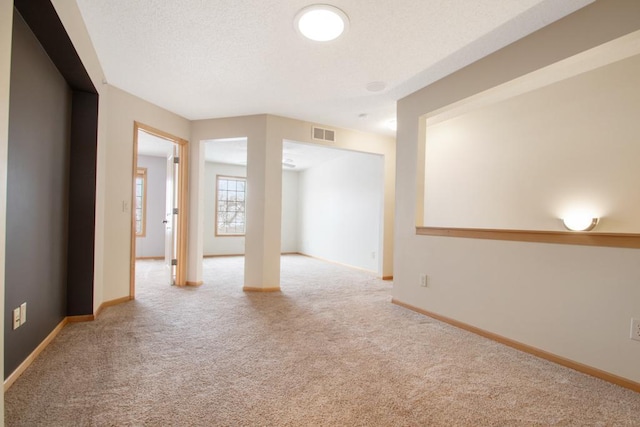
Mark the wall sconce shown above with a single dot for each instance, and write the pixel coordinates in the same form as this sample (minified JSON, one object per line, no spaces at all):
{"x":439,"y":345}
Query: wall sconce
{"x":580,"y":222}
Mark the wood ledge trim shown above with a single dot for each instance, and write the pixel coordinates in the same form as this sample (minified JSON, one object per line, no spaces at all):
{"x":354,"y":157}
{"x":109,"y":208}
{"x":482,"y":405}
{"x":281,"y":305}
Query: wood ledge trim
{"x":252,"y":289}
{"x":585,"y":369}
{"x":34,"y":354}
{"x":585,"y":238}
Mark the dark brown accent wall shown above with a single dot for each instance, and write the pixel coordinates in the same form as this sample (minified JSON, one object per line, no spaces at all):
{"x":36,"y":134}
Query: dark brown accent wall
{"x":82,"y":196}
{"x":53,"y":122}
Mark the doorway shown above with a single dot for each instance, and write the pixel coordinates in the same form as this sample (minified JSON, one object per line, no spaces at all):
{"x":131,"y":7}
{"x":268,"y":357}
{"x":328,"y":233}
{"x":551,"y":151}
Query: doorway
{"x":167,"y":222}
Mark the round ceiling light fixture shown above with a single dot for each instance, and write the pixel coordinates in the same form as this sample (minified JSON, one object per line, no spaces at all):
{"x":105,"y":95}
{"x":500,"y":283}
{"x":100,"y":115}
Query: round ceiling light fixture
{"x":321,"y":22}
{"x":376,"y":86}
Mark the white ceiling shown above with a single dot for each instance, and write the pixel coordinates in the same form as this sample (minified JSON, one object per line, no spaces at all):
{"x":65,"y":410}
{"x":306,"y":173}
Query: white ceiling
{"x":221,"y":58}
{"x":302,"y":156}
{"x":151,"y":145}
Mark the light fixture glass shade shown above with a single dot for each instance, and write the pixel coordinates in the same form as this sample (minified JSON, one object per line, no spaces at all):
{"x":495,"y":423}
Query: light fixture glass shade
{"x":580,"y":223}
{"x":321,"y":22}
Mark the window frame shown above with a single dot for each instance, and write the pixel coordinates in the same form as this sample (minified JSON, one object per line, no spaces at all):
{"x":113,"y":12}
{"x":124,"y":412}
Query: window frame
{"x":217,"y":200}
{"x":142,"y":174}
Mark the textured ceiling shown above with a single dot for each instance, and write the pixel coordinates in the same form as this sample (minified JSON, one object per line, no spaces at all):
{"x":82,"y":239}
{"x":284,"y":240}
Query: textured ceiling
{"x":300,"y":156}
{"x":220,"y":58}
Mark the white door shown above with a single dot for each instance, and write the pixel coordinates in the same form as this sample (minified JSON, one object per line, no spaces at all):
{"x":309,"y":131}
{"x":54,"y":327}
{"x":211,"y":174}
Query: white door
{"x":169,"y":234}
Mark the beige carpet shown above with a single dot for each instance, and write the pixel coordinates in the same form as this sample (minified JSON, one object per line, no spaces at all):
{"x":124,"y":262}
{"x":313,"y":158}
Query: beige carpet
{"x":329,"y":350}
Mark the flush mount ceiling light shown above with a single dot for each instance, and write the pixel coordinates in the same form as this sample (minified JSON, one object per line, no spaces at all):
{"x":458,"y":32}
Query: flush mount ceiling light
{"x":321,"y":22}
{"x":580,"y":222}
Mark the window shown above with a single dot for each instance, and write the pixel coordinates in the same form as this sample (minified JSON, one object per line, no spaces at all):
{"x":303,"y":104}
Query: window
{"x":230,"y":205}
{"x":141,"y":201}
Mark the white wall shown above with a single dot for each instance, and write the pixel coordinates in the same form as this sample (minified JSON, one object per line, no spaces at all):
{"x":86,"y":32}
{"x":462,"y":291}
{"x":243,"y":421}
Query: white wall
{"x":290,"y":220}
{"x":152,"y":244}
{"x":228,"y":245}
{"x":340,"y":210}
{"x":265,"y":134}
{"x":572,"y":301}
{"x":566,"y":147}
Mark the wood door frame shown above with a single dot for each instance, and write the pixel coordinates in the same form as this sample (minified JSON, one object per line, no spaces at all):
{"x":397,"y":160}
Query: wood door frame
{"x":183,"y":203}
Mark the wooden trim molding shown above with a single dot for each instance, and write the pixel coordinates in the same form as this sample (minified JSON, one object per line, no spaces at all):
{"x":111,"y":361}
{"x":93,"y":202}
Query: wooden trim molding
{"x":69,"y":319}
{"x":183,"y":204}
{"x":222,"y":255}
{"x":35,"y":353}
{"x":585,"y":369}
{"x":585,"y":238}
{"x":110,"y":303}
{"x":387,"y":277}
{"x":252,"y":289}
{"x":81,"y":318}
{"x":195,"y":284}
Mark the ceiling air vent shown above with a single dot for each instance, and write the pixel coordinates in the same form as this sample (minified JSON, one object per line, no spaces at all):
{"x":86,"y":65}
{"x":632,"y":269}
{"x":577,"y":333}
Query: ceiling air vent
{"x":321,"y":134}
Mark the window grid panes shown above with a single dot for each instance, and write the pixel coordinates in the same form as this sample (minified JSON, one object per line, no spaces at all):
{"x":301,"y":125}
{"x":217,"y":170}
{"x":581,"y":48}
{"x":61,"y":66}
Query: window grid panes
{"x":230,"y":205}
{"x":141,"y":183}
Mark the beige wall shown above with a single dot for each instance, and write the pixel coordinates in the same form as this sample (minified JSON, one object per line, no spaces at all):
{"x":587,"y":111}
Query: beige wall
{"x":117,"y":112}
{"x":529,"y":160}
{"x":572,"y":301}
{"x":123,"y":110}
{"x":6,"y":25}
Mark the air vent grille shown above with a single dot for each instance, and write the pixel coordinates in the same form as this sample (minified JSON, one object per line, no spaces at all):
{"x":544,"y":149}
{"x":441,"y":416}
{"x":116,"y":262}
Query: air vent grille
{"x":321,"y":134}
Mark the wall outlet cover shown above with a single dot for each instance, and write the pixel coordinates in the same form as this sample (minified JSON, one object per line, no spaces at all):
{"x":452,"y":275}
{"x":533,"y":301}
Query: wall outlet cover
{"x":16,"y":318}
{"x":23,"y":313}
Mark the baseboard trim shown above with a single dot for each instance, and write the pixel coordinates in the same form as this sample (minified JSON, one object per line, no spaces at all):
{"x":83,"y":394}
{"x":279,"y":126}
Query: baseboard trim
{"x":221,"y":255}
{"x":195,"y":284}
{"x":81,"y":318}
{"x":35,"y":353}
{"x":387,"y":277}
{"x":580,"y":367}
{"x":110,"y":303}
{"x":252,"y":289}
{"x":337,"y":263}
{"x":230,"y":255}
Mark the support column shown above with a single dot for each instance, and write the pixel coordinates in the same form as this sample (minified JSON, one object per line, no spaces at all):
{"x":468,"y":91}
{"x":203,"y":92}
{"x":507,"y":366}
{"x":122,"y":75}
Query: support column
{"x":195,"y":237}
{"x":264,"y":213}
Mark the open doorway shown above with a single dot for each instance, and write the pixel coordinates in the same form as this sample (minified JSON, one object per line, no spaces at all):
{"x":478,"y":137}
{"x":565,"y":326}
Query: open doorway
{"x":336,"y":199}
{"x":159,"y":204}
{"x":225,"y":177}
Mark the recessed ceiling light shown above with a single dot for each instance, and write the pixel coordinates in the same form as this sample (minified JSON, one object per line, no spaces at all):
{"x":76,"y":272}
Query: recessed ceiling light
{"x":376,"y":86}
{"x":321,"y":22}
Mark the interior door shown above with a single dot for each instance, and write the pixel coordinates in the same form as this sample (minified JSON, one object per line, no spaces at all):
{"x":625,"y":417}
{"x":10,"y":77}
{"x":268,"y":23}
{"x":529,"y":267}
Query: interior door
{"x":169,"y":234}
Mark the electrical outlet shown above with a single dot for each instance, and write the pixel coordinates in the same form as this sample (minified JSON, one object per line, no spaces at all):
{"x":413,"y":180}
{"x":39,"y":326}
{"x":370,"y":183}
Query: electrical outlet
{"x":423,"y":280}
{"x":16,"y":318}
{"x":635,"y":329}
{"x":23,"y":313}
